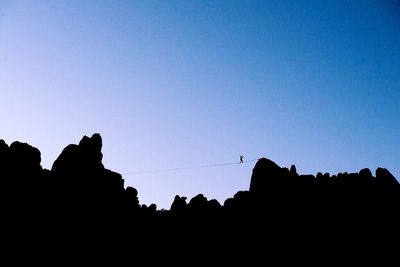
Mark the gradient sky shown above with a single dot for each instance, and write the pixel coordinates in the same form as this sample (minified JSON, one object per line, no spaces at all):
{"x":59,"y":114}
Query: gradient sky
{"x":188,"y":83}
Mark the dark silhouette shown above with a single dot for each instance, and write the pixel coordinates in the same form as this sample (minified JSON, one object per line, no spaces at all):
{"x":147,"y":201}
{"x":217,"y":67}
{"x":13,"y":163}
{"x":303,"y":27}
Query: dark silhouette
{"x":82,"y":203}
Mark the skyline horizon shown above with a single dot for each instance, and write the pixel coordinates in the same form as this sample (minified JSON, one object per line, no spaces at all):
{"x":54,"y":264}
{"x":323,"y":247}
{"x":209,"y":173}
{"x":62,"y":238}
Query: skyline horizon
{"x":249,"y":162}
{"x":186,"y":83}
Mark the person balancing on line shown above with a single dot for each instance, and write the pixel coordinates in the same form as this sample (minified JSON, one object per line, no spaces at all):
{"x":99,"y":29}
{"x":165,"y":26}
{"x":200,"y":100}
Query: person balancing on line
{"x":241,"y":159}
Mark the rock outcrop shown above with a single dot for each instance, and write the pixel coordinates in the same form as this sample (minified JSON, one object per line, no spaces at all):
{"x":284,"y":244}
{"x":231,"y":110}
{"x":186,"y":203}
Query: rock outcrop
{"x":79,"y":199}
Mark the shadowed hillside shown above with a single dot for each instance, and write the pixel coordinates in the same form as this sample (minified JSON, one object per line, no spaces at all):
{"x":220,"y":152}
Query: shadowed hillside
{"x":81,"y":201}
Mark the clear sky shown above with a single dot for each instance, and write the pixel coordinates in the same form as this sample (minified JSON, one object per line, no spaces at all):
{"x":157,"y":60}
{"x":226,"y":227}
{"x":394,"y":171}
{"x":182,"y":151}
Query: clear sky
{"x":187,"y":83}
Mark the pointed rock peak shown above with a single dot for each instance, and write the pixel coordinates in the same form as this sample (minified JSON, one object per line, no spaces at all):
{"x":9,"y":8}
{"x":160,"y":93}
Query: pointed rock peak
{"x":179,"y":198}
{"x":293,"y":170}
{"x":84,"y":141}
{"x":94,"y":143}
{"x":383,"y":176}
{"x":178,"y":204}
{"x":79,"y":158}
{"x":97,"y":140}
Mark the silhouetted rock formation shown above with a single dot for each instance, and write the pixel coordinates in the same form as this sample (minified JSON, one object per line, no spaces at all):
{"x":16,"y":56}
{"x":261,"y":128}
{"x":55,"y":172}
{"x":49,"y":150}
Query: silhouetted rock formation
{"x":85,"y":186}
{"x":179,"y":204}
{"x":79,"y":199}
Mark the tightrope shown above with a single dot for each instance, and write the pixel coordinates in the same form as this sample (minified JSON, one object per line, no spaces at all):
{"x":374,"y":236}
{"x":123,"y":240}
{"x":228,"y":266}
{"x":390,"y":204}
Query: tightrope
{"x":189,"y":168}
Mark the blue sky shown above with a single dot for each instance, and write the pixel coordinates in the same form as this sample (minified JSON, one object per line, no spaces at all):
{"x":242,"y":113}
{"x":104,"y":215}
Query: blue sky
{"x":188,"y":83}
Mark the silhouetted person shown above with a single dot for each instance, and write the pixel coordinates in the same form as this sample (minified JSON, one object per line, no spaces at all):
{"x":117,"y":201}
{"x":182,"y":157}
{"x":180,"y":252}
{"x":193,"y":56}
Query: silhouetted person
{"x":241,"y":159}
